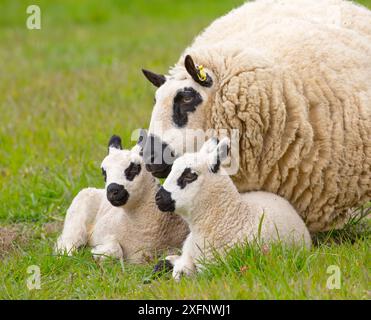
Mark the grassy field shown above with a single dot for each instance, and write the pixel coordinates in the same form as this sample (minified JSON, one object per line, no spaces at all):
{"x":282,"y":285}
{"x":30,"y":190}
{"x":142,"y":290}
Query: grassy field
{"x":64,"y":90}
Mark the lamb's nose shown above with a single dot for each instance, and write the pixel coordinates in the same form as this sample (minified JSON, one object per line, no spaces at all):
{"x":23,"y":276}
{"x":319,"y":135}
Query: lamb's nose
{"x":117,"y":194}
{"x":164,"y":201}
{"x":114,"y":189}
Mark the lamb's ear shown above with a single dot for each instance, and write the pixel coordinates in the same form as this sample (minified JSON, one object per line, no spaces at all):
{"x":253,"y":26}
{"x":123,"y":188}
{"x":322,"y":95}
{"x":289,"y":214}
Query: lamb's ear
{"x":197,"y":72}
{"x":142,"y":138}
{"x":209,"y":146}
{"x":156,"y":79}
{"x":218,"y":155}
{"x":114,"y":143}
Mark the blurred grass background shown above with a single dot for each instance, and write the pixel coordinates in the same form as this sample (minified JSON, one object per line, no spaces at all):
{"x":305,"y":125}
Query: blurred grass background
{"x":64,"y":90}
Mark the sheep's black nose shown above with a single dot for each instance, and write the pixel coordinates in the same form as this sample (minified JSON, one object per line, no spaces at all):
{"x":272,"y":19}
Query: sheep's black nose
{"x":117,"y":195}
{"x":164,"y":201}
{"x":158,"y":156}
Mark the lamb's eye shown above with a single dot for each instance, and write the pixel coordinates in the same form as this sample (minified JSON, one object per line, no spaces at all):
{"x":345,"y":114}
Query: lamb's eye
{"x":132,"y":171}
{"x":104,"y":173}
{"x":190,"y":176}
{"x":187,"y":177}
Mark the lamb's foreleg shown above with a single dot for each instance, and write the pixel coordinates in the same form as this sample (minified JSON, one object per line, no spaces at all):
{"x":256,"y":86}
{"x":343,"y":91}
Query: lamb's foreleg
{"x":109,"y":249}
{"x":80,"y":215}
{"x":184,"y":264}
{"x":104,"y":238}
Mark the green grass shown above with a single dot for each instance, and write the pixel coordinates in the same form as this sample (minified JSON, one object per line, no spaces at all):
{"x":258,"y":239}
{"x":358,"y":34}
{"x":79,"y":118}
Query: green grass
{"x":63,"y":91}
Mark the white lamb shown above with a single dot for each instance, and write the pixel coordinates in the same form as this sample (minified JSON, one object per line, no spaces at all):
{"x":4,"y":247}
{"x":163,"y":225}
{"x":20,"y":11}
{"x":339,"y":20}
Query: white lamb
{"x":121,"y":221}
{"x":218,"y":215}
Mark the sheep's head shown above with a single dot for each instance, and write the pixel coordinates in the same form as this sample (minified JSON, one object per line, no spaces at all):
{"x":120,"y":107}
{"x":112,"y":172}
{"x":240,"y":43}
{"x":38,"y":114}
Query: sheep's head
{"x":123,"y":173}
{"x":179,"y":111}
{"x":190,"y":175}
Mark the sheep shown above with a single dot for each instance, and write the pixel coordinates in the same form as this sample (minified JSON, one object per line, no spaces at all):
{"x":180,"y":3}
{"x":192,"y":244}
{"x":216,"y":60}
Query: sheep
{"x":219,"y":216}
{"x":293,"y":78}
{"x":122,"y":220}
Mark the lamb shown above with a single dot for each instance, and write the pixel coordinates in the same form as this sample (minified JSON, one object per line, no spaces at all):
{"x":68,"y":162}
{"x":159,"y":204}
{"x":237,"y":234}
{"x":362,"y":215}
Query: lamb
{"x":219,"y":216}
{"x":121,"y":221}
{"x":292,"y":77}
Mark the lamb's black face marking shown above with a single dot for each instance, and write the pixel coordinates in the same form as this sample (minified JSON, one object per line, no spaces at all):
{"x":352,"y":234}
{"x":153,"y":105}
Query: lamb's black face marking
{"x":187,"y":177}
{"x":132,"y":171}
{"x":164,"y":201}
{"x":185,"y":101}
{"x":104,"y":174}
{"x":117,"y":195}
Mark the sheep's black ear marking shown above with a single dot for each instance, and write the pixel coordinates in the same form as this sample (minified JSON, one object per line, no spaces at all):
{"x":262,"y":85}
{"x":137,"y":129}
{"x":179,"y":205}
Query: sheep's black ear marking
{"x":115,"y":142}
{"x":156,"y":79}
{"x":132,"y":171}
{"x":194,"y":72}
{"x":186,"y":177}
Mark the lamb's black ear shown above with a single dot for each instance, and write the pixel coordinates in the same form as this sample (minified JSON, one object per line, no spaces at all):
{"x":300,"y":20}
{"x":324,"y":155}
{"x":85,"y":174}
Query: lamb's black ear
{"x":219,"y":154}
{"x":115,"y":142}
{"x":223,"y":149}
{"x":142,"y":138}
{"x":197,"y":73}
{"x":156,"y":79}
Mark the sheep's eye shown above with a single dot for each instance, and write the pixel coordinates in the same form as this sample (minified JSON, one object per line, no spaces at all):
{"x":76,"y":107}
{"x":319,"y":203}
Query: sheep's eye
{"x":187,"y":99}
{"x":104,"y":173}
{"x":132,"y":171}
{"x":187,"y":177}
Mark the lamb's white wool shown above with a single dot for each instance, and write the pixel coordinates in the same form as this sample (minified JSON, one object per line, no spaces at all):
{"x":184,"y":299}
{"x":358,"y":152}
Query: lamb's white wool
{"x":218,"y":215}
{"x":121,"y":221}
{"x":293,"y":77}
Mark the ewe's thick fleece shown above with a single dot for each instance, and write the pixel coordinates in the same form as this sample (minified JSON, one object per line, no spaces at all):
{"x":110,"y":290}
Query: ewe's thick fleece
{"x":297,"y":84}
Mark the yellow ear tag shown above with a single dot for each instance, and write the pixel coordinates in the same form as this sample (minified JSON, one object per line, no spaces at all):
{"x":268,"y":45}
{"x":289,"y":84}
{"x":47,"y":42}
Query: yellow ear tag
{"x":201,"y":73}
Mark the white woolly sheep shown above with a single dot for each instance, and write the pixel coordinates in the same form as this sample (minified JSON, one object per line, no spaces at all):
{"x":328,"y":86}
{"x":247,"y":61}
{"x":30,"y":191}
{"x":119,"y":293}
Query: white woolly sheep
{"x":219,"y":216}
{"x":121,"y":221}
{"x":294,"y":78}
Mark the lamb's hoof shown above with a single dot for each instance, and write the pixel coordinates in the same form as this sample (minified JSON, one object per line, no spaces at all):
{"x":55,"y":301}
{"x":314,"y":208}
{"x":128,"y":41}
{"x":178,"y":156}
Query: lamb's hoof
{"x":64,"y":248}
{"x":162,"y":267}
{"x":182,"y":268}
{"x":99,"y":255}
{"x":109,"y":250}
